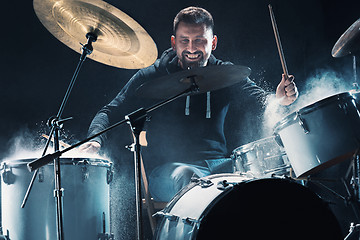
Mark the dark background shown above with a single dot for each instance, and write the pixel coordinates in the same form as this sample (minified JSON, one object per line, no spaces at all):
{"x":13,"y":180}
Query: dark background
{"x":36,"y":68}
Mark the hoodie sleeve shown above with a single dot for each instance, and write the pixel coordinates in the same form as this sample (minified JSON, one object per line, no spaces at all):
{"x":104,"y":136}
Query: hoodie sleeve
{"x":117,"y":109}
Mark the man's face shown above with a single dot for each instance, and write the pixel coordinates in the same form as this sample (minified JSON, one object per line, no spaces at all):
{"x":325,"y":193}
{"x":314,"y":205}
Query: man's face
{"x":193,"y":44}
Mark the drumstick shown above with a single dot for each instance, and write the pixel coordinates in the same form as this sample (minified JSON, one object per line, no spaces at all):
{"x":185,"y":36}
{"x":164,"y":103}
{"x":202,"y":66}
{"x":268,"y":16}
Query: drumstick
{"x":65,"y":145}
{"x":278,"y":42}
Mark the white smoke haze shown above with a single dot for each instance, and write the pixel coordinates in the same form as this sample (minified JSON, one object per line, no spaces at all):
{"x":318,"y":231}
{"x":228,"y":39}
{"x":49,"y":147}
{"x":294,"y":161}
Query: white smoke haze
{"x":324,"y":83}
{"x":29,"y":144}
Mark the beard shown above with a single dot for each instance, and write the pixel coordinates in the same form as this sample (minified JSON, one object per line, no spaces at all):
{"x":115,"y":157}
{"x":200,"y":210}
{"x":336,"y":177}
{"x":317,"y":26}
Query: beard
{"x":188,"y":64}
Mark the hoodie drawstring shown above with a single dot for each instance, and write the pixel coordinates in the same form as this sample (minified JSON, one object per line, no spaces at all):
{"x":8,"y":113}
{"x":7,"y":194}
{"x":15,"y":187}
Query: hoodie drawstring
{"x":208,"y":105}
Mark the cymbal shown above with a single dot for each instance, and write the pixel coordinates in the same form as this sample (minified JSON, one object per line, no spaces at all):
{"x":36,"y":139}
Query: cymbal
{"x":206,"y":78}
{"x":121,"y":41}
{"x":349,"y":42}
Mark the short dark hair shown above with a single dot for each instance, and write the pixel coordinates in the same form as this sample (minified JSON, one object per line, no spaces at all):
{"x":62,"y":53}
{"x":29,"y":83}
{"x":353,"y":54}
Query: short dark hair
{"x":194,"y":15}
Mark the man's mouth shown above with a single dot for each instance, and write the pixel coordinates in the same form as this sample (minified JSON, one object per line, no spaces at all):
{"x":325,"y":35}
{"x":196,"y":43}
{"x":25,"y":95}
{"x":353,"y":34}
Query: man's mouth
{"x":193,"y":56}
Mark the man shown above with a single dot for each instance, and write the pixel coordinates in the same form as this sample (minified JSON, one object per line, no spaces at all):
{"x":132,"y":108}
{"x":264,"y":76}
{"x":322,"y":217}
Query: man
{"x":186,"y":137}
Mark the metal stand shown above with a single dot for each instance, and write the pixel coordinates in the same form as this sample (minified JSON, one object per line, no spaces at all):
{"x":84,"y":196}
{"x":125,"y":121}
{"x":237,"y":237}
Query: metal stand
{"x":55,"y":124}
{"x":136,"y":120}
{"x":355,"y":83}
{"x":351,"y":183}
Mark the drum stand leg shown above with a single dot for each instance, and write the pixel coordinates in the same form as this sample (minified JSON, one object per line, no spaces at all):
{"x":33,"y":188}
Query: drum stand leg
{"x":354,"y":197}
{"x":351,"y":183}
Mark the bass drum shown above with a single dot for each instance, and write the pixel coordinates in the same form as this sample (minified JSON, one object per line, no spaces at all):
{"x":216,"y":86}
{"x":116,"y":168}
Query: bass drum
{"x":85,"y":199}
{"x":229,"y":206}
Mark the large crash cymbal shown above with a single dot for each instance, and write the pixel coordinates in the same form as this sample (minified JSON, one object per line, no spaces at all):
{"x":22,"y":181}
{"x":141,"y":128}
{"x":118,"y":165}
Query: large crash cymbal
{"x":206,"y":78}
{"x":349,"y":42}
{"x":121,"y":41}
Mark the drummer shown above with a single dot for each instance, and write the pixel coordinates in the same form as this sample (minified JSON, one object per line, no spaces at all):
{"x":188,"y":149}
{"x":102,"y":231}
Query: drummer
{"x":191,"y":136}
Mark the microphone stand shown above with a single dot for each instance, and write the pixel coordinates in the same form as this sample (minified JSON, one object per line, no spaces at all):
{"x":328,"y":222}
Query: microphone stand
{"x":55,"y":123}
{"x":136,"y":120}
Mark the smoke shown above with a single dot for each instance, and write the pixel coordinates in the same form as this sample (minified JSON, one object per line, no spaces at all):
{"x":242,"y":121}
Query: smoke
{"x":322,"y":84}
{"x":30,"y":144}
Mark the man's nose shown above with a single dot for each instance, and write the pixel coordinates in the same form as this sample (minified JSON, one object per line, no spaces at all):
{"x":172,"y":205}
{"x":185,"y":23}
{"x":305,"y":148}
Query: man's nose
{"x":192,"y":47}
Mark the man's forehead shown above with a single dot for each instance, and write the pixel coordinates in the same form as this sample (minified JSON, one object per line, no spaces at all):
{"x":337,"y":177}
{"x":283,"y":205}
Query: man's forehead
{"x":193,"y":29}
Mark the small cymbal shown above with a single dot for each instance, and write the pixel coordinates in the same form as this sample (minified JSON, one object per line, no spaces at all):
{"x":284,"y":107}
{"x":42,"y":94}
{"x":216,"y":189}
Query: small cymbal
{"x":121,"y":41}
{"x":349,"y":42}
{"x":206,"y":78}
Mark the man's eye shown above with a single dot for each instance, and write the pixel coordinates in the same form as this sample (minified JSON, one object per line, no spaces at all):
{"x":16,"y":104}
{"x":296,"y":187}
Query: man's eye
{"x":184,"y":41}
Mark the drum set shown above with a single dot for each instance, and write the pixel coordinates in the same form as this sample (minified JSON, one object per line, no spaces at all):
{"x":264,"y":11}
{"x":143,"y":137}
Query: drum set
{"x":265,"y":195}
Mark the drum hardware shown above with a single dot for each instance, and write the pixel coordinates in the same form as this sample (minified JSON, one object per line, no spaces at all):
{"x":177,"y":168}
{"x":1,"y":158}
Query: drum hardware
{"x":332,"y":134}
{"x":207,"y":213}
{"x":4,"y":237}
{"x":55,"y":123}
{"x":353,"y":229}
{"x":224,"y":185}
{"x":85,"y":173}
{"x":302,"y":123}
{"x":7,"y":175}
{"x":204,"y":183}
{"x":351,"y":185}
{"x":137,"y":118}
{"x":104,"y":235}
{"x":168,"y":216}
{"x":262,"y":158}
{"x":70,"y":21}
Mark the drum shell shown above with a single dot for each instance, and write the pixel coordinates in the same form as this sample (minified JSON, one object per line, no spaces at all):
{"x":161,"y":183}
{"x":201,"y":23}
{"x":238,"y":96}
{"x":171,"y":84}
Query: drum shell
{"x":321,"y":134}
{"x":85,"y":199}
{"x":247,"y":209}
{"x":261,"y":158}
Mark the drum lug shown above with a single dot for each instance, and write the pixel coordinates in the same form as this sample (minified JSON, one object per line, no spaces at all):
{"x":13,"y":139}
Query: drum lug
{"x":85,"y":173}
{"x":7,"y":175}
{"x":41,"y":174}
{"x":109,"y":176}
{"x":223,"y":185}
{"x":205,"y":183}
{"x":278,"y":140}
{"x":190,"y":221}
{"x":168,"y":216}
{"x":302,"y":123}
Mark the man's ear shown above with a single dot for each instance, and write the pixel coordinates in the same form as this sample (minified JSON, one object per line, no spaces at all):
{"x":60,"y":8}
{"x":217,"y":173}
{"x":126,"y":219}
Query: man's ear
{"x":214,"y":42}
{"x":173,"y":42}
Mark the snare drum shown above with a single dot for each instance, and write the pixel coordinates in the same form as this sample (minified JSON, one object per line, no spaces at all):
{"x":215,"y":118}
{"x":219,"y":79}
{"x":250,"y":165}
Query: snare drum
{"x":229,"y":206}
{"x":320,"y":135}
{"x":261,"y":158}
{"x":85,"y":199}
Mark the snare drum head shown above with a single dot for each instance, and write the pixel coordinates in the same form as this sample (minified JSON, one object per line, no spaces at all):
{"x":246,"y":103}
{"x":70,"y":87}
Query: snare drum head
{"x":270,"y":208}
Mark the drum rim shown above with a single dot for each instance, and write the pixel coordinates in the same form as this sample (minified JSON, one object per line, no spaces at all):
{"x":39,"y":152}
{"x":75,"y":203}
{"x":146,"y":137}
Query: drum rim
{"x":293,"y":117}
{"x":63,"y":161}
{"x":249,"y":146}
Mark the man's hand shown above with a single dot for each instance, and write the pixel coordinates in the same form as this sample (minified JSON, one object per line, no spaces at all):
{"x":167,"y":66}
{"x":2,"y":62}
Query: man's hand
{"x":90,"y":147}
{"x":287,"y":91}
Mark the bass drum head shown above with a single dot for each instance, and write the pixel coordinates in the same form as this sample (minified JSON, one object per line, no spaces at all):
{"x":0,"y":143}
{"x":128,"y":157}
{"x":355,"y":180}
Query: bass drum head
{"x":269,"y":209}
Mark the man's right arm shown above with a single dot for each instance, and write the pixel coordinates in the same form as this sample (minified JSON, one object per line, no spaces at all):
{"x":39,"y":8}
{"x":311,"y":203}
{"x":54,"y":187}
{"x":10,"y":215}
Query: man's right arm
{"x":111,"y":113}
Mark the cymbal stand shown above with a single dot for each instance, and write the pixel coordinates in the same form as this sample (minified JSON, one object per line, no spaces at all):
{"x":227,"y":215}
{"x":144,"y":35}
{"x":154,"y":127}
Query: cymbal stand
{"x":354,"y":196}
{"x":56,"y":123}
{"x":355,"y":83}
{"x":136,"y":120}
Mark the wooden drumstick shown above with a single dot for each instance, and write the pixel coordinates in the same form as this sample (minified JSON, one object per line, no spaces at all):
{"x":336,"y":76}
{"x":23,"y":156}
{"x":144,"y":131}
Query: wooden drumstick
{"x":278,"y":42}
{"x":61,"y":143}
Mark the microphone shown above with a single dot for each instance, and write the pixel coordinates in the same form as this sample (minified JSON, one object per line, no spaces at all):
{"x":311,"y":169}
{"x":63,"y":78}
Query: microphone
{"x":37,"y":163}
